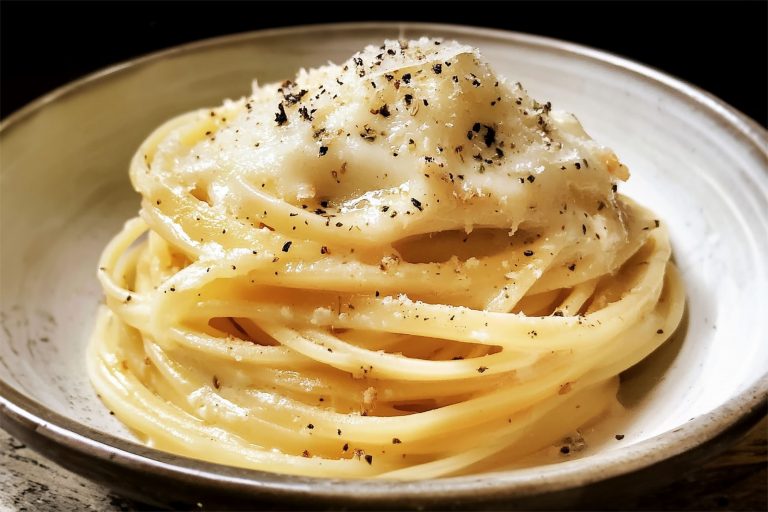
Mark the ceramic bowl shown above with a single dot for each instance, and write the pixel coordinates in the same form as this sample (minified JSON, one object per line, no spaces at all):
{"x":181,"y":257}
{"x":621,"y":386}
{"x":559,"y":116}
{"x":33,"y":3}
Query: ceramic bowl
{"x":701,"y":165}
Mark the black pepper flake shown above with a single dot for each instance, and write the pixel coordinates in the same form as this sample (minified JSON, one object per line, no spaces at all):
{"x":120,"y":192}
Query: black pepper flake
{"x":305,"y":453}
{"x":324,"y":250}
{"x":426,"y":103}
{"x":528,"y":252}
{"x":216,"y":382}
{"x":482,"y":369}
{"x":656,"y":222}
{"x":490,"y":136}
{"x":377,"y":293}
{"x":287,"y":246}
{"x":577,"y":165}
{"x":583,"y":229}
{"x":572,"y":267}
{"x":306,"y":114}
{"x":390,"y":52}
{"x":565,"y":450}
{"x":619,"y":437}
{"x":406,"y":78}
{"x":345,"y":447}
{"x":280,"y":117}
{"x":531,"y":178}
{"x":384,"y":110}
{"x":416,"y":203}
{"x":499,"y":153}
{"x":368,"y":134}
{"x":600,"y":205}
{"x":310,"y":426}
{"x":292,"y":99}
{"x":396,"y":440}
{"x":476,"y":127}
{"x":323,"y":150}
{"x":339,"y":224}
{"x":557,"y":313}
{"x":659,"y":331}
{"x":437,"y":68}
{"x":614,"y":187}
{"x":470,"y":134}
{"x":384,"y":208}
{"x":369,"y":459}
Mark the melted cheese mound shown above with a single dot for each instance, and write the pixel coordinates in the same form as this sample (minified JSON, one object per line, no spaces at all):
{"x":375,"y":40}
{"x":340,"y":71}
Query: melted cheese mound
{"x":400,"y":266}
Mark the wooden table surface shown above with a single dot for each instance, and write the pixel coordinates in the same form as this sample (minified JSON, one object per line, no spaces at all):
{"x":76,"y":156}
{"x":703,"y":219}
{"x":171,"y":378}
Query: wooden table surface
{"x":735,"y":480}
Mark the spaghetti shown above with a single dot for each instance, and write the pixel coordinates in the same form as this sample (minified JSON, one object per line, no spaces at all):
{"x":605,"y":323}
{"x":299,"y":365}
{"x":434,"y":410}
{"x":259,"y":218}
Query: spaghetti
{"x":400,"y":267}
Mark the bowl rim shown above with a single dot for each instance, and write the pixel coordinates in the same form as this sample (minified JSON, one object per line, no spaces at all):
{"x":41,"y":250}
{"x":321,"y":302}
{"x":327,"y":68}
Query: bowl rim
{"x":21,"y":412}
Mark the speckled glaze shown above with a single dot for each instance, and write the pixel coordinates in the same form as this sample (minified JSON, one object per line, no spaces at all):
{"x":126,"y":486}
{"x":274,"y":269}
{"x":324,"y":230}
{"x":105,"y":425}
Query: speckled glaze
{"x":701,"y":165}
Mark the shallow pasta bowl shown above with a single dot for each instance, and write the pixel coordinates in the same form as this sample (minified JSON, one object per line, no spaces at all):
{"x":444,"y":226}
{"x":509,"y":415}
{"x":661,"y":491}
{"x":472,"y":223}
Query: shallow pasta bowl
{"x":701,"y":165}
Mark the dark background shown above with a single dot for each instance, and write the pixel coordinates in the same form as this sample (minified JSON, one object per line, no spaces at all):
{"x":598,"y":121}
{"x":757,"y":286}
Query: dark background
{"x":719,"y":46}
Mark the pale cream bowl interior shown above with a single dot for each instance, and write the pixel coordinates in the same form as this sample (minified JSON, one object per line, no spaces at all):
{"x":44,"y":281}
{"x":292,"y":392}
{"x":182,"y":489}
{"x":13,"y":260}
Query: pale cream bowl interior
{"x":700,"y":165}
